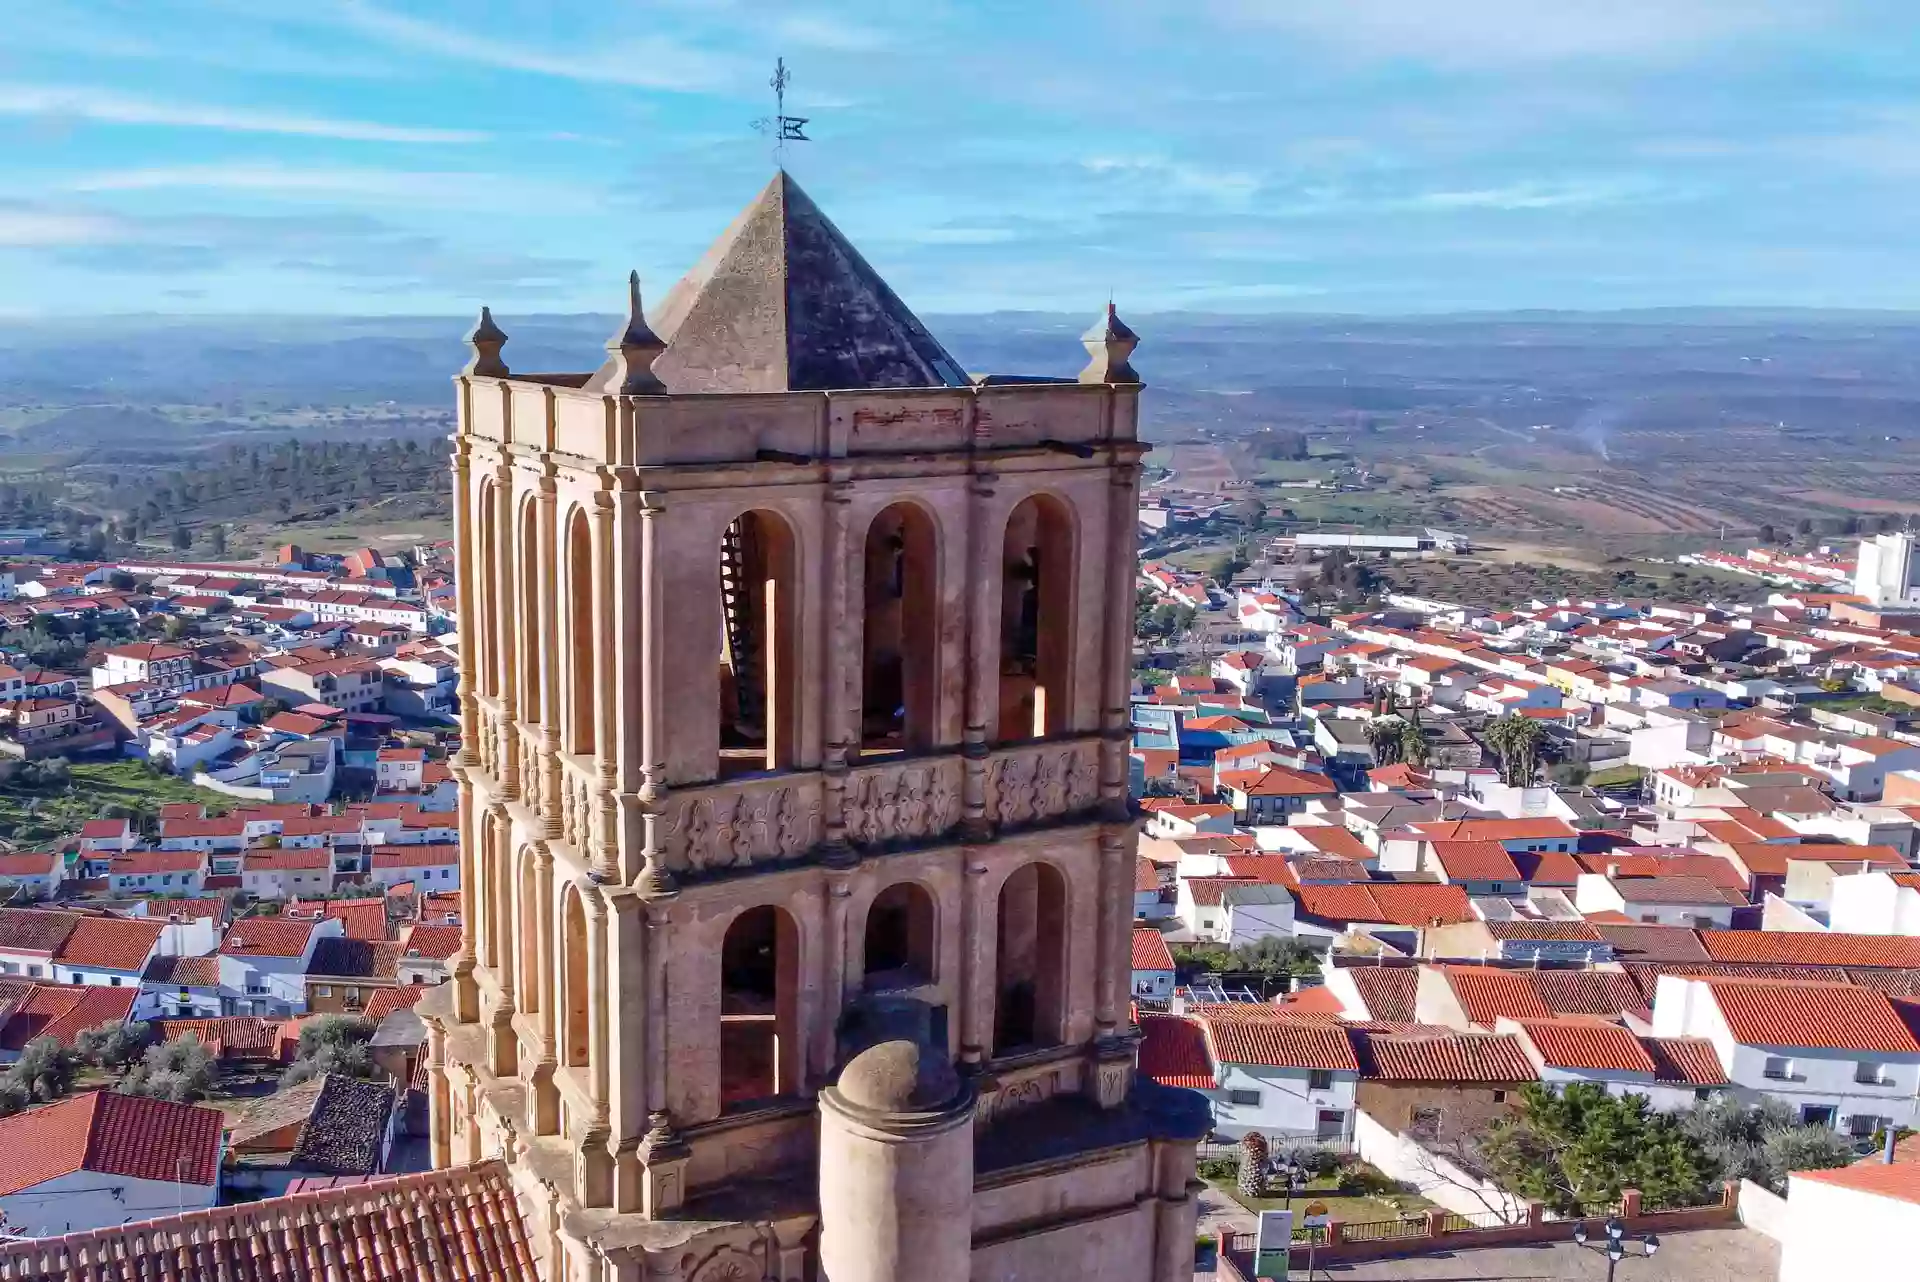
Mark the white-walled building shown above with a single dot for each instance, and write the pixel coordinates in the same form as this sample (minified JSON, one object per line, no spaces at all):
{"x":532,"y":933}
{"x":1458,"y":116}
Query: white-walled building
{"x":1838,"y":1054}
{"x":104,"y":1159}
{"x":263,"y":963}
{"x":1152,"y":965}
{"x":1875,"y":903}
{"x":1656,"y":901}
{"x":1281,"y":1077}
{"x":1858,"y":1222}
{"x":1672,"y":1072}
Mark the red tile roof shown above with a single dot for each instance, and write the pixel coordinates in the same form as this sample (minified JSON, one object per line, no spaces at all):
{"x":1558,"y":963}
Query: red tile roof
{"x":1331,"y":839}
{"x":1811,"y":949}
{"x":110,"y":943}
{"x":1897,"y":1180}
{"x":417,"y":856}
{"x":1486,"y":993}
{"x":1149,"y":951}
{"x":1691,"y":891}
{"x":1146,"y":875}
{"x":1495,"y":830}
{"x":1448,"y":1058}
{"x":1547,"y":867}
{"x":462,"y":1224}
{"x":1388,"y":991}
{"x":63,"y":1012}
{"x":1588,"y":992}
{"x":107,"y":1133}
{"x":1653,"y":943}
{"x":266,"y":937}
{"x":1579,"y":930}
{"x":288,"y":859}
{"x":1586,"y":1043}
{"x":385,"y":1001}
{"x":1475,"y":861}
{"x":1812,"y":1014}
{"x":434,"y":941}
{"x":226,"y":1035}
{"x":1279,"y":781}
{"x":1173,"y":1052}
{"x":1280,"y":1043}
{"x":1689,"y":1060}
{"x":1386,"y":903}
{"x":137,"y":863}
{"x":34,"y":930}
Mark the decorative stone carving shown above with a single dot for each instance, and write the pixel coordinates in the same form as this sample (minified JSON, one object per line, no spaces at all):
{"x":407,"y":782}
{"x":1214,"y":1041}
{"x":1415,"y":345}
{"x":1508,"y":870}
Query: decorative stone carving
{"x":1001,"y":1098}
{"x":1034,"y":785}
{"x":729,"y":1264}
{"x":911,"y":802}
{"x":730,"y":829}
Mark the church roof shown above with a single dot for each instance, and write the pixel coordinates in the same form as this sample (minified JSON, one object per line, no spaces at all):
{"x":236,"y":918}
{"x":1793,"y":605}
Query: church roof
{"x":782,"y":302}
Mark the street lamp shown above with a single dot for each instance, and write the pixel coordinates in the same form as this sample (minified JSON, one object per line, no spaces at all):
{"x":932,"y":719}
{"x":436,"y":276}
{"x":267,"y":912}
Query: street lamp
{"x":1614,"y":1247}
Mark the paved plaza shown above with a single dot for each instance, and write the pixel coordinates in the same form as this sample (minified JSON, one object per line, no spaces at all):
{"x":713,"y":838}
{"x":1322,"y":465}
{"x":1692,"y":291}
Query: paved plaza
{"x":1704,"y":1255}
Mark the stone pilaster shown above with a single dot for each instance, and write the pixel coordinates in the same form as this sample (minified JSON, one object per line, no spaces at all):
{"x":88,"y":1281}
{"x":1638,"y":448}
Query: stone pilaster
{"x":975,"y":967}
{"x":982,"y":682}
{"x":546,"y":627}
{"x":839,"y":664}
{"x":543,"y":1097}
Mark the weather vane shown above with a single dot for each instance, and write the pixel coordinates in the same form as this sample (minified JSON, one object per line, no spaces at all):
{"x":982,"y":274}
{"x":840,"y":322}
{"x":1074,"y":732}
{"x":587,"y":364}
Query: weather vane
{"x":784,"y":128}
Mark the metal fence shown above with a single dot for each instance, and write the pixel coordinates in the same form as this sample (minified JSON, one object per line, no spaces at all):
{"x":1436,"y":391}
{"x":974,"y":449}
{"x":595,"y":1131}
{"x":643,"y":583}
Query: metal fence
{"x":1457,"y":1223}
{"x":1384,"y":1230}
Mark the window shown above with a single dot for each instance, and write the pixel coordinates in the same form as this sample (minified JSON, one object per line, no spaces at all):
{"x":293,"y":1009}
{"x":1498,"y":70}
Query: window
{"x":320,"y":990}
{"x":115,"y":982}
{"x":1817,"y":1115}
{"x":1320,"y":1079}
{"x":1862,"y":1125}
{"x":1423,"y":1123}
{"x":1780,"y":1070}
{"x":1247,"y":1099}
{"x":1869,"y":1073}
{"x":1330,"y":1125}
{"x":1499,"y":1097}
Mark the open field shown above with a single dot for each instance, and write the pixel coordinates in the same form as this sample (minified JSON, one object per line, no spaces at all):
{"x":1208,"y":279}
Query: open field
{"x":34,"y":817}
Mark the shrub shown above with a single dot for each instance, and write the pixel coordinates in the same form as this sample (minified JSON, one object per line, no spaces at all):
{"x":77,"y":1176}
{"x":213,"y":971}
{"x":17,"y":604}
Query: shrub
{"x":1253,"y":1164}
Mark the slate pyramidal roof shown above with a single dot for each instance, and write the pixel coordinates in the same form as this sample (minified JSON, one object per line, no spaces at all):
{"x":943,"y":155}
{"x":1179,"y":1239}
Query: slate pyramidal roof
{"x":783,"y":302}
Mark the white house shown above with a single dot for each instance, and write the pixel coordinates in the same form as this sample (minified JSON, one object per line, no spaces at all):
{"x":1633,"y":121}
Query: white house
{"x":1147,"y":903}
{"x":1282,"y":1077}
{"x":107,"y":952}
{"x":1660,"y":901}
{"x":166,"y":666}
{"x":1233,"y":910}
{"x":180,"y":988}
{"x":1856,"y":1222}
{"x":35,"y":874}
{"x":157,"y":871}
{"x":430,"y":867}
{"x":263,"y":963}
{"x":1875,"y":903}
{"x":1672,"y":1072}
{"x":1152,"y":965}
{"x":287,"y":873}
{"x":106,"y":836}
{"x":104,"y":1159}
{"x":1837,"y":1053}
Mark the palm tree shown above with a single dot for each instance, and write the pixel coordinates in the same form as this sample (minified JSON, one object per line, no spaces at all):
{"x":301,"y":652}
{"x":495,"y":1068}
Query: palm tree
{"x":1414,"y":749}
{"x":1384,"y":735}
{"x":1516,"y":740}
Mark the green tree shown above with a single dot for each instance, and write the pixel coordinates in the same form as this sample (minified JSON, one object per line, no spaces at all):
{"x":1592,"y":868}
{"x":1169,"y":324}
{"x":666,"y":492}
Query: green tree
{"x":45,"y":1069}
{"x":1575,"y":1150}
{"x":1516,"y":741}
{"x":182,"y":1070}
{"x":1384,"y":735}
{"x":113,"y":1045}
{"x":332,"y":1044}
{"x":1253,"y":1165}
{"x":182,"y":538}
{"x":1762,"y":1142}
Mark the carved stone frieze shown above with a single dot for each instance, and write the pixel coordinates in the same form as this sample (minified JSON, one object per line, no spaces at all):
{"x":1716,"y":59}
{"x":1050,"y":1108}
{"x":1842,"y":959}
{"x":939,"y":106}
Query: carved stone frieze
{"x":912,"y":801}
{"x":1042,"y":783}
{"x":728,"y":828}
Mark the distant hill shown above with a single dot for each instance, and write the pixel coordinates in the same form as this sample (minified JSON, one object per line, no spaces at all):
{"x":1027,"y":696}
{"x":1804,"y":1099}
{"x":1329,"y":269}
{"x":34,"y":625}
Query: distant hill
{"x":89,"y":427}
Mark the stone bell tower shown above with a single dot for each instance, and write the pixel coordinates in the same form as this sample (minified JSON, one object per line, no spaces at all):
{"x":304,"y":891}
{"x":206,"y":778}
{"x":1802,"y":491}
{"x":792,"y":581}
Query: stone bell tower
{"x":793,"y":805}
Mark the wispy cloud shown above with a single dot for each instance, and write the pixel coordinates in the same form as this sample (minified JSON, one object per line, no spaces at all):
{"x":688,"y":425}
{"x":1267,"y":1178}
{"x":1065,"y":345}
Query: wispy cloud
{"x":464,"y":188}
{"x":1480,"y":32}
{"x":107,"y":107}
{"x":820,"y":31}
{"x":1172,"y":176}
{"x":649,"y":61}
{"x":1534,"y":195}
{"x":32,"y":226}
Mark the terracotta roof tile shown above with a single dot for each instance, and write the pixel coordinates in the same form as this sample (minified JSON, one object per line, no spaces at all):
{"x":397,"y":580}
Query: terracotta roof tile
{"x":1388,"y":991}
{"x":110,"y":1134}
{"x":62,"y":1012}
{"x":1146,"y":875}
{"x":1495,"y":830}
{"x":1386,"y":903}
{"x":1653,"y":943}
{"x":1812,"y":949}
{"x":1578,"y":930}
{"x":1486,"y":994}
{"x":1450,"y":1058}
{"x":436,"y":942}
{"x":226,"y":1035}
{"x":1588,"y":992}
{"x":462,"y":1224}
{"x":1173,"y":1052}
{"x":266,"y":937}
{"x":184,"y":972}
{"x":1280,"y":1043}
{"x":1897,"y":1180}
{"x":1586,"y":1043}
{"x":35,"y":930}
{"x":385,"y":1001}
{"x":1149,"y":951}
{"x":1811,"y":1014}
{"x":110,"y":943}
{"x":1691,"y":1060}
{"x":1547,"y":867}
{"x":1475,"y":861}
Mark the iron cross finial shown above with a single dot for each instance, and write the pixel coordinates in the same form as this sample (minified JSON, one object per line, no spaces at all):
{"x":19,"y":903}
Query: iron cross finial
{"x":784,"y":128}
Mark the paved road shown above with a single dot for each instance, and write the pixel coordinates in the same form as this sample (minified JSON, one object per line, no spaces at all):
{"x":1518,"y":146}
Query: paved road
{"x":1706,"y":1255}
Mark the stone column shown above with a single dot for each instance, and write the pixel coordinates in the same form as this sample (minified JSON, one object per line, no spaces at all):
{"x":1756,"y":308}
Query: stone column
{"x":1109,"y":958}
{"x":1123,"y":516}
{"x":466,"y":993}
{"x":643,"y":743}
{"x":439,"y":1100}
{"x":976,"y":1033}
{"x":842,"y":734}
{"x":833,"y":976}
{"x":662,"y":1152}
{"x":543,"y":1113}
{"x":1174,"y":1212}
{"x":504,"y":1057}
{"x":982,"y":655}
{"x":595,"y":1165}
{"x":608,"y":652}
{"x":626,"y":1041}
{"x":470,"y":572}
{"x":547,"y":625}
{"x":500,"y":600}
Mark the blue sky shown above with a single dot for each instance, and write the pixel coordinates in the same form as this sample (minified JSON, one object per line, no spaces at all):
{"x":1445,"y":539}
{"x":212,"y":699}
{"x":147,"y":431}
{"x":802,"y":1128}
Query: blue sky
{"x":1387,"y":156}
